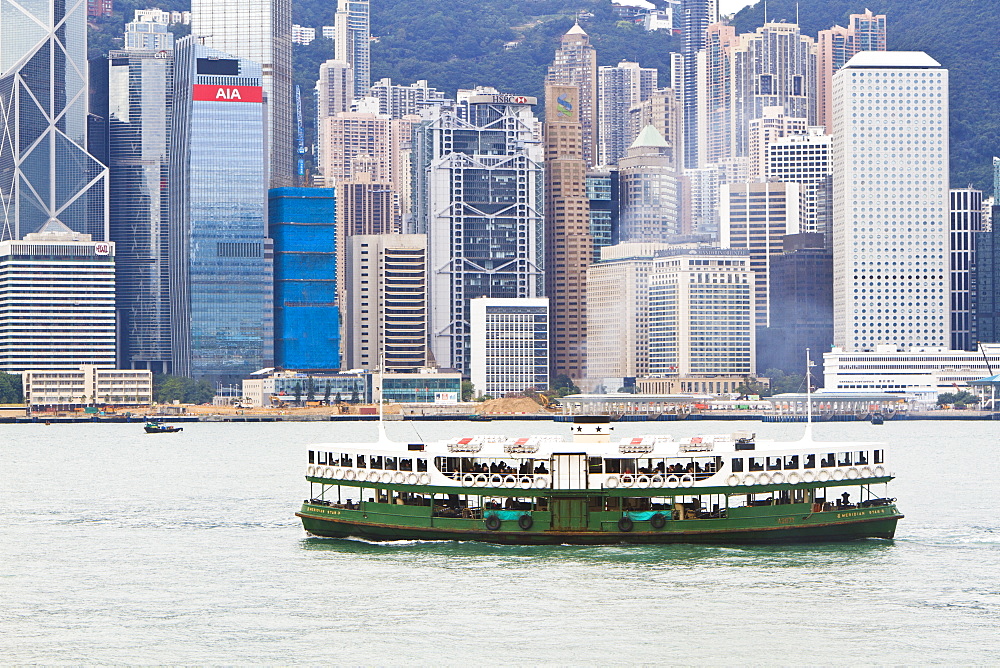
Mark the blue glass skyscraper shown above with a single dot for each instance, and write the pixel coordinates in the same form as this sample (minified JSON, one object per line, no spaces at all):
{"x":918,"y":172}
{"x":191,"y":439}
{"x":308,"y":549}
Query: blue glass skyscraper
{"x":221,"y":265}
{"x":302,"y":223}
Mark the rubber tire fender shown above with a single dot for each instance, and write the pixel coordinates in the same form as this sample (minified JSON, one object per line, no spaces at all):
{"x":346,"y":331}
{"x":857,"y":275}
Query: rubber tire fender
{"x":525,"y":522}
{"x":625,"y":523}
{"x":658,"y":521}
{"x":492,"y":522}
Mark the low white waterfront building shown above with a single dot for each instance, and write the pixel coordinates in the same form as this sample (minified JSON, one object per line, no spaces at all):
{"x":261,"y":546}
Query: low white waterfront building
{"x":87,"y":386}
{"x":924,"y":374}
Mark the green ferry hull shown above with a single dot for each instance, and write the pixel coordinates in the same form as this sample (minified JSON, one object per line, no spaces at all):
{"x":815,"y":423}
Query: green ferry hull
{"x":787,"y":527}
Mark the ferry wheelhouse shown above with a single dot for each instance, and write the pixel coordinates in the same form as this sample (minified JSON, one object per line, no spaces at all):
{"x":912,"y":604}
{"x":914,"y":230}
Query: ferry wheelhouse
{"x":598,"y":489}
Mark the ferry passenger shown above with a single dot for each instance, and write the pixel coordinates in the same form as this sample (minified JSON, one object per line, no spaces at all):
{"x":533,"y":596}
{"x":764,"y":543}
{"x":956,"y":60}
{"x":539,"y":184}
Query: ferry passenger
{"x":541,"y":468}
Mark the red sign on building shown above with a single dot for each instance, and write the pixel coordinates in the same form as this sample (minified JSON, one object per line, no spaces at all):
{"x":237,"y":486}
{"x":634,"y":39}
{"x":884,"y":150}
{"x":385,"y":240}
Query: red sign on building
{"x":205,"y":93}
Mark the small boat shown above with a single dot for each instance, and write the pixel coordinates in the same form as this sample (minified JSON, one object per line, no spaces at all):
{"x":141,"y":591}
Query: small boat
{"x":878,"y":418}
{"x":153,"y":427}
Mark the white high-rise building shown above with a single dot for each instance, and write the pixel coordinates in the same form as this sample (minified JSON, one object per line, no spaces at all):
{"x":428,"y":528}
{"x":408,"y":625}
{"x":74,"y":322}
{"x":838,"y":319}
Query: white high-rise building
{"x":352,"y":38}
{"x":966,"y":223}
{"x":807,"y":160}
{"x":69,"y":283}
{"x":890,"y":204}
{"x":509,"y":345}
{"x":261,"y":31}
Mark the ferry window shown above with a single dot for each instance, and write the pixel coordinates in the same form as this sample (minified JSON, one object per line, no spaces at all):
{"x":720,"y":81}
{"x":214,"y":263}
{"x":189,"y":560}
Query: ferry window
{"x":595,"y":465}
{"x":345,"y":460}
{"x":321,"y":458}
{"x":774,"y":463}
{"x":756,"y":463}
{"x":405,"y":464}
{"x":828,"y":460}
{"x":312,"y":457}
{"x":613,"y":465}
{"x":390,"y":463}
{"x":737,"y":465}
{"x":376,"y":462}
{"x":862,"y":459}
{"x":421,"y":465}
{"x":810,"y":462}
{"x":878,"y":456}
{"x":791,"y":462}
{"x":361,"y":461}
{"x":843,"y":459}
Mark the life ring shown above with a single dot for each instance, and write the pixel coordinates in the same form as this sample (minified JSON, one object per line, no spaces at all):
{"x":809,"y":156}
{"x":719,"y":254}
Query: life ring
{"x":733,"y":480}
{"x":611,"y":481}
{"x":838,"y":474}
{"x":338,"y":473}
{"x":311,"y":471}
{"x":749,"y":479}
{"x":879,"y":471}
{"x":328,"y":473}
{"x":673,"y":481}
{"x":400,"y":477}
{"x":808,"y":476}
{"x":496,"y":480}
{"x":625,"y":523}
{"x":373,"y":476}
{"x":492,"y":522}
{"x":481,"y":480}
{"x":764,"y":479}
{"x":541,"y":482}
{"x":468,"y":480}
{"x":687,"y":480}
{"x":823,"y":475}
{"x":778,"y":478}
{"x":349,"y":474}
{"x":642,"y":482}
{"x":509,"y":481}
{"x":656,"y":481}
{"x":425,"y":479}
{"x":658,"y":521}
{"x":627,"y":480}
{"x":793,"y":478}
{"x":525,"y":482}
{"x":412,"y":479}
{"x":866,"y":472}
{"x":853,"y":473}
{"x":525,"y":522}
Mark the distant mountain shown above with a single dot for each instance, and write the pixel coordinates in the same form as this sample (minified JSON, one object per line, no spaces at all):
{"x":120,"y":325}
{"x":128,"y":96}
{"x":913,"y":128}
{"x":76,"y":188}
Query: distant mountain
{"x":509,"y":43}
{"x":959,"y":34}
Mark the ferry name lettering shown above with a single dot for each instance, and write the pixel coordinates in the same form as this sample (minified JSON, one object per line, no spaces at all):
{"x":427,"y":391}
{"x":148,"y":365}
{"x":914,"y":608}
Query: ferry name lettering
{"x":861,"y":513}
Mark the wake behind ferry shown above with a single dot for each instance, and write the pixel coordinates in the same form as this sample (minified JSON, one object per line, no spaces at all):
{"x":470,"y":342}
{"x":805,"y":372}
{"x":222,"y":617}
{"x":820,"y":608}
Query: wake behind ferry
{"x":598,"y":489}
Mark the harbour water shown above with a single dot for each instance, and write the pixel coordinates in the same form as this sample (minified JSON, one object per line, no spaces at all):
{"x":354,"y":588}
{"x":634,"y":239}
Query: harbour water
{"x":118,"y":547}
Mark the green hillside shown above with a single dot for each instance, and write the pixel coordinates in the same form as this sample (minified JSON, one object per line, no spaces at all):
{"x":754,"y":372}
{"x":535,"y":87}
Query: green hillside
{"x":461,"y":43}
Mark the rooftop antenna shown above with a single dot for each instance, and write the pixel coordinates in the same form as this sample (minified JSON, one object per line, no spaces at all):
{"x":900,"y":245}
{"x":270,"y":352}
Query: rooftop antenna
{"x":765,"y":11}
{"x":807,"y":436}
{"x":796,"y":13}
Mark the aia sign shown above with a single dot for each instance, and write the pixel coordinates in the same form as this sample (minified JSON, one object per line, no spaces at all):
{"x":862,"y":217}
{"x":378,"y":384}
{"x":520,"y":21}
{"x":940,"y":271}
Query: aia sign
{"x":205,"y":93}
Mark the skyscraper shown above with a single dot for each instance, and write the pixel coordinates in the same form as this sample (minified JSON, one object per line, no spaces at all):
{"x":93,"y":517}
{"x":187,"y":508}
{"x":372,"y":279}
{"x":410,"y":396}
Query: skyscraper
{"x":890,"y":208}
{"x":352,"y":36}
{"x":140,"y":94}
{"x":569,"y":247}
{"x":835,"y":47}
{"x":260,"y":30}
{"x":46,"y":172}
{"x":334,"y":88}
{"x":650,"y":193}
{"x":478,"y":194}
{"x":221,"y":264}
{"x":618,"y":89}
{"x":696,"y":16}
{"x":575,"y":64}
{"x":966,"y":214}
{"x":302,"y":222}
{"x":397,"y":101}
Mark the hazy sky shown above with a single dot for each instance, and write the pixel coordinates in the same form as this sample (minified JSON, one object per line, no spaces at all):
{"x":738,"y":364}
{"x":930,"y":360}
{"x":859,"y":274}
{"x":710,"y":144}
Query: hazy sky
{"x":733,"y":6}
